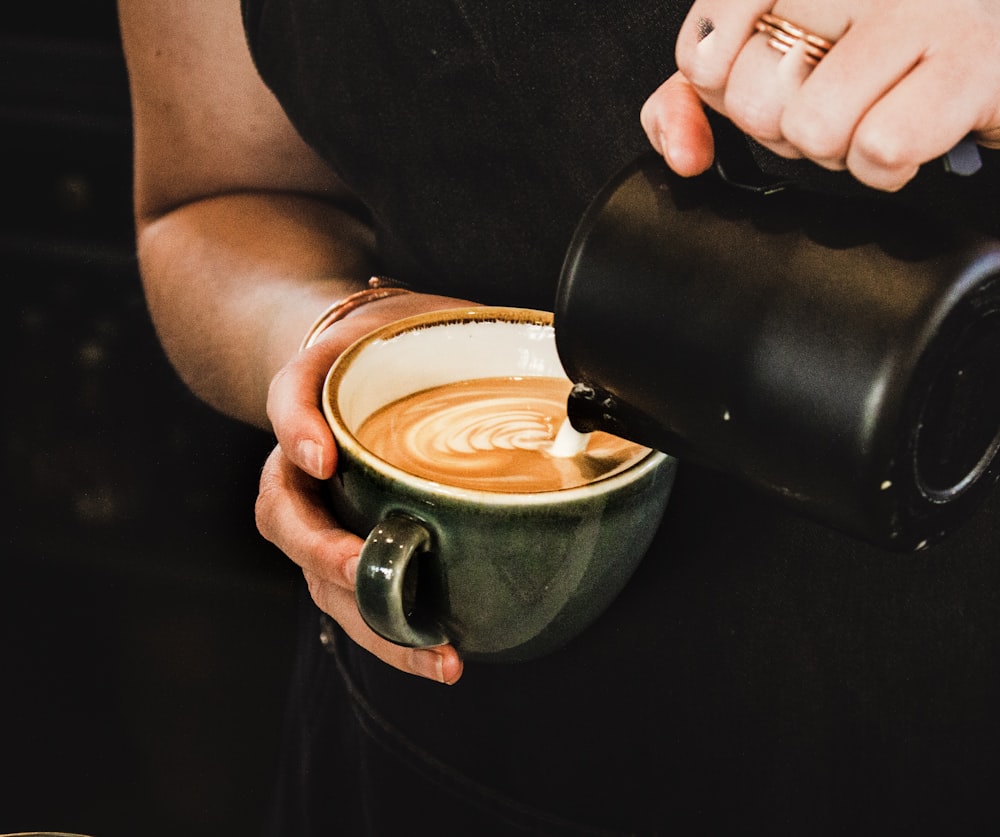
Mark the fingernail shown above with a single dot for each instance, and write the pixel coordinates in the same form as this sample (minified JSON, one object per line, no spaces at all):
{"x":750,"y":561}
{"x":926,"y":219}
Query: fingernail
{"x":429,"y":664}
{"x":311,"y":457}
{"x":351,"y":570}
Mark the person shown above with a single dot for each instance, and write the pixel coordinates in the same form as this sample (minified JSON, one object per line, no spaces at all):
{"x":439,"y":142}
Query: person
{"x":759,"y":672}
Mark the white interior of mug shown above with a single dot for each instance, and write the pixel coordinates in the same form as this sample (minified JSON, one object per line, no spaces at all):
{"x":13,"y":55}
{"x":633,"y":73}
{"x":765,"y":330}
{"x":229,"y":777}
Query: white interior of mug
{"x":431,"y":351}
{"x":445,"y":347}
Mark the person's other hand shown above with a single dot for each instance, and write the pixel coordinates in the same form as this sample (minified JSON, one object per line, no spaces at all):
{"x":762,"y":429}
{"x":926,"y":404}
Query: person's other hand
{"x":905,"y":81}
{"x":291,"y":512}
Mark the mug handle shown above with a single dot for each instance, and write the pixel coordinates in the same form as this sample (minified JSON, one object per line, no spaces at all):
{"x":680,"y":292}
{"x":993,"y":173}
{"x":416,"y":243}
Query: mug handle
{"x":380,"y":588}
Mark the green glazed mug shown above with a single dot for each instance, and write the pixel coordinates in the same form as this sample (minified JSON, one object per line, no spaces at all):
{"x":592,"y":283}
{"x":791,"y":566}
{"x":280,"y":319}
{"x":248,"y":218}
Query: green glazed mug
{"x":502,"y":575}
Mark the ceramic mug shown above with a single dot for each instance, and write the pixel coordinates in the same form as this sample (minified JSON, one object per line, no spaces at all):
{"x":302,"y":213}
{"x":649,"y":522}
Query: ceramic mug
{"x":501,"y":575}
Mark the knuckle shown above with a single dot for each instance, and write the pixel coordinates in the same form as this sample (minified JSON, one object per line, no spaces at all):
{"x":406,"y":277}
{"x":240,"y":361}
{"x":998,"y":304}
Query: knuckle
{"x":328,"y":597}
{"x":333,"y":549}
{"x":813,"y":135}
{"x":266,"y":503}
{"x":276,"y":390}
{"x":882,"y":149}
{"x":703,"y":74}
{"x":883,"y":161}
{"x":317,"y":590}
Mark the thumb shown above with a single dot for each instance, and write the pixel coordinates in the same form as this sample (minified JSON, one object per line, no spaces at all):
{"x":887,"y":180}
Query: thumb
{"x":296,"y":415}
{"x":675,"y":123}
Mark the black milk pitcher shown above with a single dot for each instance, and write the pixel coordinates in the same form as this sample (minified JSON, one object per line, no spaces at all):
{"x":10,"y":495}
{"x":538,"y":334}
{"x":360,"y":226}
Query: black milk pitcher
{"x":840,"y":353}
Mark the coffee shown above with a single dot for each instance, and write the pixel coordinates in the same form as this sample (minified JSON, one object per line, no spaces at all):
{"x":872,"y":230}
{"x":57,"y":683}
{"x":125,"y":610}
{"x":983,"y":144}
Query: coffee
{"x":491,"y":434}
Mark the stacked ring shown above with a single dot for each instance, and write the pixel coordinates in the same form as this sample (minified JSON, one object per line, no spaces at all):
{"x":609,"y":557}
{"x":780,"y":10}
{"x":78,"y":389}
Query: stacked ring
{"x":782,"y":35}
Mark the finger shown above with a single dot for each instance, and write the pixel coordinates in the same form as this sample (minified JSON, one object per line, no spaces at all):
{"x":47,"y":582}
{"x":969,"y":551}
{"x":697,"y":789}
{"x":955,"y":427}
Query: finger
{"x":295,"y":413}
{"x":675,"y":123}
{"x":989,"y":137}
{"x":711,"y":37}
{"x":821,"y":117}
{"x":291,"y":514}
{"x":761,"y":82}
{"x":441,"y":663}
{"x":293,"y":403}
{"x":895,"y":137}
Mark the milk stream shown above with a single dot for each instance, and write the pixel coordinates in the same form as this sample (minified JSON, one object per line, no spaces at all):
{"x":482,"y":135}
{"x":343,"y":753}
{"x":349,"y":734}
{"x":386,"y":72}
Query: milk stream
{"x":568,"y":441}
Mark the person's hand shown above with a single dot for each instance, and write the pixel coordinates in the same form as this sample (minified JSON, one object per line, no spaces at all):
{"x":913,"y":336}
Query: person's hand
{"x":290,"y":508}
{"x":904,"y":82}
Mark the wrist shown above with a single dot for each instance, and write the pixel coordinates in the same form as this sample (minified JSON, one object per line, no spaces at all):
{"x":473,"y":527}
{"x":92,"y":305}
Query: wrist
{"x":378,"y":288}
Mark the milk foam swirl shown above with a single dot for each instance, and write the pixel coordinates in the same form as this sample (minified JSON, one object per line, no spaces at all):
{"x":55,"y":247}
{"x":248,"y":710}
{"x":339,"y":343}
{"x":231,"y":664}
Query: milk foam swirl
{"x":490,"y":434}
{"x":491,"y":424}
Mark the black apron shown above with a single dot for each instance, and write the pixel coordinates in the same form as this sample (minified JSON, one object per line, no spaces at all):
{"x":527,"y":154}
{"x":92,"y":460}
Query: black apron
{"x":759,"y":673}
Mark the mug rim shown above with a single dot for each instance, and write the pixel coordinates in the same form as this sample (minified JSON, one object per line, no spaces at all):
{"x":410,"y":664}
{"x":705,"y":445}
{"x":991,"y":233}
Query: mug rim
{"x":346,"y":439}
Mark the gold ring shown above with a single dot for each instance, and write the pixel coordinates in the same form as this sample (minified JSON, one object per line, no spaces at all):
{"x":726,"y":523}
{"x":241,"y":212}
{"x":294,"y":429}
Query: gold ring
{"x":782,"y":35}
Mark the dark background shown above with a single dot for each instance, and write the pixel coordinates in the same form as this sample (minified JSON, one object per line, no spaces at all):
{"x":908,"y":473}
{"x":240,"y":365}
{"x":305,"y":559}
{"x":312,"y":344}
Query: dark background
{"x":145,"y":627}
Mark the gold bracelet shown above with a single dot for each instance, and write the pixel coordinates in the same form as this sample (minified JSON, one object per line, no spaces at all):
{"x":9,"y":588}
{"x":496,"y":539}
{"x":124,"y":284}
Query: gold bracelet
{"x":377,"y":289}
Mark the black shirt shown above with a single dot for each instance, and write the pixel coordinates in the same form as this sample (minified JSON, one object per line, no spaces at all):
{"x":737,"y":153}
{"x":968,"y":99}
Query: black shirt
{"x":760,"y":673}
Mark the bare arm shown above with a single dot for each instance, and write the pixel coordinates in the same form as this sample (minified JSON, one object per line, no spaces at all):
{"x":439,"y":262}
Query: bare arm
{"x":244,"y":234}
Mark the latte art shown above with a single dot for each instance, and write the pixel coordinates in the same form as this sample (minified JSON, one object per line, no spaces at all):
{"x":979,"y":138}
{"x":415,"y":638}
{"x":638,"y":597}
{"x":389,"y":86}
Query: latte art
{"x":490,"y":424}
{"x":491,"y":434}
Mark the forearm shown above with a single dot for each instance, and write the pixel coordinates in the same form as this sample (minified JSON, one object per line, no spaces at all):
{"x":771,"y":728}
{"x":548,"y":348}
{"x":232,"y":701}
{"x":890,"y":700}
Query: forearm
{"x":233,"y":282}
